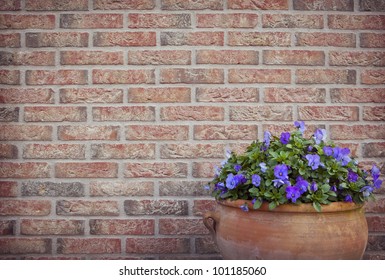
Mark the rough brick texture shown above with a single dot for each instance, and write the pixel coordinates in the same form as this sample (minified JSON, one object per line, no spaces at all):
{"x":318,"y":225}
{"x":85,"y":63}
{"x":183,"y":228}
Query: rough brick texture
{"x":113,"y":114}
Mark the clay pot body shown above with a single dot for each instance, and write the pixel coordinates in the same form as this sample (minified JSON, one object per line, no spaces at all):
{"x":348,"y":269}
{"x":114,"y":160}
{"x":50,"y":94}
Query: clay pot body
{"x":340,"y":231}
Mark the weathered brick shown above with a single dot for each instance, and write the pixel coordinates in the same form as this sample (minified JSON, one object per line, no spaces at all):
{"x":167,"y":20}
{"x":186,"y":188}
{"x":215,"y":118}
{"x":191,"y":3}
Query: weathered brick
{"x":88,"y":245}
{"x":227,"y":57}
{"x":373,"y":255}
{"x":7,"y":227}
{"x":205,"y":245}
{"x":91,"y":58}
{"x":25,"y":132}
{"x":374,"y":113}
{"x":163,"y":57}
{"x":52,"y":5}
{"x":91,"y":21}
{"x":295,"y":95}
{"x":54,"y":151}
{"x":374,"y":149}
{"x":376,"y":242}
{"x":86,"y":170}
{"x":294,"y":57}
{"x":157,"y":132}
{"x":121,"y":188}
{"x":10,"y":40}
{"x":292,"y":21}
{"x":325,"y":76}
{"x":25,"y":207}
{"x":276,"y":129}
{"x":228,"y":20}
{"x":56,"y":77}
{"x":225,"y":132}
{"x":52,"y":189}
{"x":202,"y":206}
{"x":191,"y":151}
{"x":204,"y":169}
{"x":127,"y":113}
{"x":155,"y":170}
{"x":325,"y":5}
{"x":182,"y":188}
{"x":356,"y":58}
{"x":258,"y":5}
{"x":10,"y":5}
{"x":192,"y":113}
{"x":216,"y":95}
{"x":26,"y":95}
{"x":377,"y":206}
{"x":90,"y":95}
{"x":357,"y":95}
{"x":8,"y":189}
{"x":51,"y":227}
{"x":192,"y":5}
{"x":357,"y":132}
{"x":192,"y":38}
{"x":159,"y":95}
{"x":124,"y":39}
{"x":70,"y":132}
{"x":24,"y":170}
{"x":10,"y":77}
{"x":12,"y":21}
{"x":124,"y":5}
{"x":191,"y":76}
{"x":159,"y":20}
{"x":19,"y":58}
{"x":56,"y":39}
{"x":8,"y":114}
{"x":25,"y":246}
{"x":55,"y":114}
{"x":87,"y":208}
{"x":8,"y":151}
{"x":156,"y":207}
{"x":372,"y":40}
{"x":324,"y":39}
{"x":328,"y":113}
{"x":157,"y":245}
{"x":102,"y":76}
{"x":123,"y":151}
{"x":258,"y":113}
{"x":182,"y":226}
{"x":357,"y":22}
{"x":122,"y":227}
{"x":372,"y":5}
{"x":278,"y":39}
{"x":373,"y":77}
{"x":278,"y":76}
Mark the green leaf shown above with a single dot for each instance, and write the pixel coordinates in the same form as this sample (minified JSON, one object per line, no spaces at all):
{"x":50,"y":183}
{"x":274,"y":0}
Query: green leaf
{"x":257,"y":204}
{"x":272,"y":205}
{"x":317,"y":206}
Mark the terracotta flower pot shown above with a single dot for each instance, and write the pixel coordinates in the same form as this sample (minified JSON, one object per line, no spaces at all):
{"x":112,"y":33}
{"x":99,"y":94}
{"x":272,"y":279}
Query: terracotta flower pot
{"x":289,"y":231}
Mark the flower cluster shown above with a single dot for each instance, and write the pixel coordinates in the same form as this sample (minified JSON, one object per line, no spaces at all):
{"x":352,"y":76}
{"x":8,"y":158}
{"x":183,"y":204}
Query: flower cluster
{"x":293,"y":169}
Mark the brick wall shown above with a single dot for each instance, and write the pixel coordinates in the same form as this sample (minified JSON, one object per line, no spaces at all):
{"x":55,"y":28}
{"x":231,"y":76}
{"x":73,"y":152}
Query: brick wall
{"x":113,"y":113}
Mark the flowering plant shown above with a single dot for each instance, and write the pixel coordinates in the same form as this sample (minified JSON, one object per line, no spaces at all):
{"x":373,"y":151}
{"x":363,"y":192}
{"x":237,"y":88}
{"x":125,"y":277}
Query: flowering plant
{"x":293,"y":169}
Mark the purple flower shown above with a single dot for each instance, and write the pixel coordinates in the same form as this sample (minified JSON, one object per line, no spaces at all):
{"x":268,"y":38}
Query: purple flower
{"x":263,"y":167}
{"x":348,"y":198}
{"x":293,"y":193}
{"x":245,"y":208}
{"x":319,"y":135}
{"x":302,"y":184}
{"x":256,"y":180}
{"x":300,"y":125}
{"x":328,"y":150}
{"x":375,"y":172}
{"x":266,"y":138}
{"x":377,"y":183}
{"x":281,"y":171}
{"x":237,"y":167}
{"x":342,"y":155}
{"x":366,"y":191}
{"x":313,"y":161}
{"x":207,"y":187}
{"x":285,"y":138}
{"x":352,"y":176}
{"x":278,"y":182}
{"x":333,"y":188}
{"x":313,"y":187}
{"x":233,"y":181}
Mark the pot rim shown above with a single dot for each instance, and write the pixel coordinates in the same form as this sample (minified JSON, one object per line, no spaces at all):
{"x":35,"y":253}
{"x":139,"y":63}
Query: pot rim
{"x":339,"y":206}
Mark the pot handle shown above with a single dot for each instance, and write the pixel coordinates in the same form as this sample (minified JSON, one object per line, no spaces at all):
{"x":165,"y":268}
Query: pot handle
{"x":211,"y":220}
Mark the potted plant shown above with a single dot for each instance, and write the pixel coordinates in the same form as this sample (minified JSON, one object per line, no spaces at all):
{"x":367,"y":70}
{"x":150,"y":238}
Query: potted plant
{"x":291,"y":197}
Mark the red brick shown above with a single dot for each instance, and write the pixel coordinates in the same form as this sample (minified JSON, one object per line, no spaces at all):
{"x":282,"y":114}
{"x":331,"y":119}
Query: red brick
{"x":54,"y":151}
{"x":10,"y":40}
{"x":102,"y":76}
{"x":374,"y":149}
{"x":8,"y":189}
{"x":259,"y":113}
{"x":328,"y":113}
{"x":19,"y":58}
{"x":377,"y":206}
{"x":51,"y":227}
{"x":121,"y":188}
{"x":7,"y":227}
{"x":26,"y":95}
{"x":25,"y":246}
{"x":91,"y":21}
{"x":226,"y":57}
{"x":216,"y":95}
{"x":278,"y":39}
{"x":157,"y":132}
{"x":193,"y":38}
{"x":11,"y":21}
{"x":202,"y":206}
{"x":157,"y":245}
{"x":86,"y":170}
{"x":192,"y":151}
{"x":292,"y":21}
{"x":325,"y":5}
{"x":87,"y":208}
{"x":182,"y":227}
{"x":276,"y":129}
{"x":191,"y":76}
{"x":294,"y":57}
{"x":90,"y":95}
{"x":325,"y":76}
{"x":155,"y":170}
{"x":10,"y":77}
{"x":124,"y":5}
{"x":279,"y":76}
{"x":192,"y":113}
{"x":357,"y":22}
{"x":159,"y":20}
{"x":258,"y":5}
{"x":25,"y":132}
{"x":88,"y":246}
{"x":70,"y":133}
{"x":192,"y":5}
{"x":8,"y":151}
{"x":164,"y":57}
{"x":24,"y":170}
{"x":159,"y":95}
{"x":182,"y":188}
{"x":55,"y":114}
{"x":204,"y":169}
{"x":91,"y":58}
{"x":228,"y":20}
{"x":52,"y":5}
{"x":356,"y":58}
{"x":10,"y":5}
{"x":357,"y":95}
{"x":295,"y":95}
{"x":357,"y":132}
{"x":123,"y":151}
{"x":156,"y":207}
{"x":56,"y":77}
{"x":374,"y":113}
{"x":127,"y":113}
{"x":122,"y":227}
{"x":373,"y":77}
{"x":372,"y":40}
{"x":372,"y":5}
{"x":205,"y":245}
{"x":325,"y":39}
{"x":25,"y":207}
{"x":56,"y":39}
{"x":225,"y":132}
{"x":124,"y":39}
